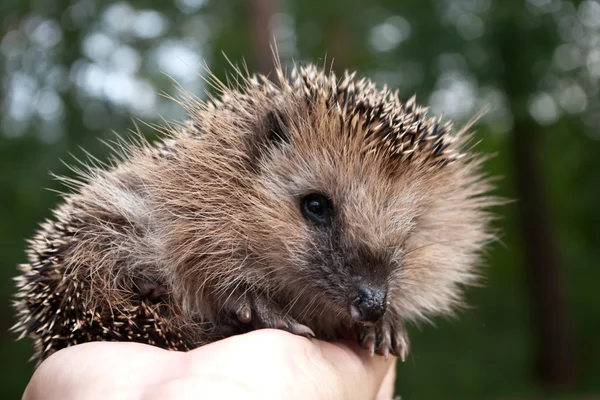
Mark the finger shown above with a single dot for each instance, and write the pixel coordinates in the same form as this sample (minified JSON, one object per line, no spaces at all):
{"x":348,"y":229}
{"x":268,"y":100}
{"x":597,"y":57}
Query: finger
{"x":97,"y":371}
{"x":360,"y":374}
{"x":386,"y":391}
{"x":276,"y":364}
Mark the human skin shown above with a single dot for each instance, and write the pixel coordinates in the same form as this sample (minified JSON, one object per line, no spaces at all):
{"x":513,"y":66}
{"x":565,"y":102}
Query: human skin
{"x":264,"y":364}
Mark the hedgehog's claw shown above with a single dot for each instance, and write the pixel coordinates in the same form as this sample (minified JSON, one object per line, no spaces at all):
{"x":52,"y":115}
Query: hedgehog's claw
{"x":392,"y":338}
{"x":367,"y":337}
{"x":387,"y":337}
{"x":254,"y":311}
{"x":244,"y":314}
{"x":267,"y":314}
{"x":402,"y":346}
{"x":295,"y":328}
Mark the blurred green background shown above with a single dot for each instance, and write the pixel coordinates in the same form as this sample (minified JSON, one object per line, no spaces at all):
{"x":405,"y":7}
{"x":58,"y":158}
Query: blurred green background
{"x":75,"y":71}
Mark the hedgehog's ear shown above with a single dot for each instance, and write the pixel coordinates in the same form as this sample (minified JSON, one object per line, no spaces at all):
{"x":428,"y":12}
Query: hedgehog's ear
{"x":272,"y":132}
{"x":275,"y":130}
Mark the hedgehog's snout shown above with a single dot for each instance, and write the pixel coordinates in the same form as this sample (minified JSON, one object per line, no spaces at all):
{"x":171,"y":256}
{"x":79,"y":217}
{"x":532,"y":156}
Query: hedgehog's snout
{"x":368,"y":303}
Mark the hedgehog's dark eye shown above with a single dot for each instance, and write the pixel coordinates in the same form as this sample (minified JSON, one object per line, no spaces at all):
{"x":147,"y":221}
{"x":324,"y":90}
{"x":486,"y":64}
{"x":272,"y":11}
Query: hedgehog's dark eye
{"x":317,"y":208}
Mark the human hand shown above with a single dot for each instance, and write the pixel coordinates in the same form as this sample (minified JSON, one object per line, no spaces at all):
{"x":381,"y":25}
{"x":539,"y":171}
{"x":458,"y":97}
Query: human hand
{"x":264,"y":364}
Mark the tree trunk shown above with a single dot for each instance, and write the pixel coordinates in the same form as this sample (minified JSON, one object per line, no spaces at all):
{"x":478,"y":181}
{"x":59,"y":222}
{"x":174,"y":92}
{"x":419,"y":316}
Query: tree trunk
{"x":556,"y":361}
{"x":555,"y":353}
{"x":261,"y":12}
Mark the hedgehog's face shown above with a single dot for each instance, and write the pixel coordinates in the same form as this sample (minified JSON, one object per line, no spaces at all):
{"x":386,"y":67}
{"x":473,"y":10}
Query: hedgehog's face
{"x":357,"y":230}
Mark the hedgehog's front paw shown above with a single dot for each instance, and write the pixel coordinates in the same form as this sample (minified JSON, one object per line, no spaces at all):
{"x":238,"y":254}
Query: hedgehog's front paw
{"x":387,"y":336}
{"x":256,"y":311}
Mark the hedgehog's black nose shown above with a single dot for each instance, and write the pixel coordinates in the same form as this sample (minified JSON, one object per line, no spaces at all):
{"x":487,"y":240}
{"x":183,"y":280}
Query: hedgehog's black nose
{"x":368,"y":304}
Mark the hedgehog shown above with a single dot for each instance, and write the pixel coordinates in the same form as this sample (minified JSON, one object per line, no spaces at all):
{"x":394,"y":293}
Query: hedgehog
{"x":323,"y":206}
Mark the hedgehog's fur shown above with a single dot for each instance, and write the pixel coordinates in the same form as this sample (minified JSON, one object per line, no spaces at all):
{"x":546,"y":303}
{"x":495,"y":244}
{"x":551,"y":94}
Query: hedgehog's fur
{"x":200,"y":236}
